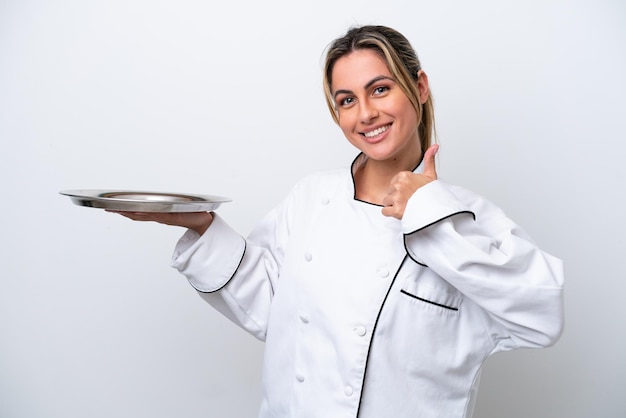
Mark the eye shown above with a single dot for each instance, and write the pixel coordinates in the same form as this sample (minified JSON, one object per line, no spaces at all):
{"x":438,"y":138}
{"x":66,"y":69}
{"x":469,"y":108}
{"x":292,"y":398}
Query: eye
{"x":346,"y":101}
{"x":380,"y":90}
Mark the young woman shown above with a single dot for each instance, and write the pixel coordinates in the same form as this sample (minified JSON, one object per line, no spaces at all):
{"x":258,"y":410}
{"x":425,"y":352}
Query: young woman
{"x":379,"y":290}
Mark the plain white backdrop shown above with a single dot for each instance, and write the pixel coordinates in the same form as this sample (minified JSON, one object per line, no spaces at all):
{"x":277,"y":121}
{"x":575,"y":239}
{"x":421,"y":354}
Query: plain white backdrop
{"x":226,"y":99}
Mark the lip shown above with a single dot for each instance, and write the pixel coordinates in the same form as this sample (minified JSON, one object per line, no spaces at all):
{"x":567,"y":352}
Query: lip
{"x":376,"y":139}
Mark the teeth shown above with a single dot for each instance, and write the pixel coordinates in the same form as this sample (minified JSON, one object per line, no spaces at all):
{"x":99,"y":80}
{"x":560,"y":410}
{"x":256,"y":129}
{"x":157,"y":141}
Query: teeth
{"x":376,"y":132}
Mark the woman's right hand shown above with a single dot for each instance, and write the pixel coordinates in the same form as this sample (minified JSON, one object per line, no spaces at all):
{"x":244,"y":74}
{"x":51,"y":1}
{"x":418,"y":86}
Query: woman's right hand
{"x":197,"y":221}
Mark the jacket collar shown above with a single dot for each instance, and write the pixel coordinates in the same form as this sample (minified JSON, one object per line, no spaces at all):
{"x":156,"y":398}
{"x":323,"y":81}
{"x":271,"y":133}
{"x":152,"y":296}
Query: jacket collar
{"x":360,"y":161}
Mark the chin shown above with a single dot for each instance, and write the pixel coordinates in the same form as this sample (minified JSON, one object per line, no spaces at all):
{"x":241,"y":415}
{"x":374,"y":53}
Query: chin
{"x":379,"y":155}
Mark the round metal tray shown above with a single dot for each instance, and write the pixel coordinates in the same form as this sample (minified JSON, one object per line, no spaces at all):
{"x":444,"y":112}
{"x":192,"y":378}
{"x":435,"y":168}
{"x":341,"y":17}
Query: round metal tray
{"x":144,"y":201}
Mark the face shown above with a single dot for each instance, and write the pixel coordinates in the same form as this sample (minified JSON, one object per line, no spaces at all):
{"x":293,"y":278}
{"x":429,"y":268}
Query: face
{"x":374,"y":113}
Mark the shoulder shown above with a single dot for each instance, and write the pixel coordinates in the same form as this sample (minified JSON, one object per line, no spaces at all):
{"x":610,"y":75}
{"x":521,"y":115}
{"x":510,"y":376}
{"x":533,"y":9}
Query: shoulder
{"x":475,"y":202}
{"x":462,"y":193}
{"x":307,"y":193}
{"x":325,"y":177}
{"x":321,"y":181}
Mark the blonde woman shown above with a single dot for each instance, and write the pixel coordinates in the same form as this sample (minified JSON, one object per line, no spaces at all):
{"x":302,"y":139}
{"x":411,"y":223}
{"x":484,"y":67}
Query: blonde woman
{"x":379,"y":289}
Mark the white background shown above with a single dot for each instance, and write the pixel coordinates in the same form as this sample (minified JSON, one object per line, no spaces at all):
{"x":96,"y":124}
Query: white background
{"x":225,"y":98}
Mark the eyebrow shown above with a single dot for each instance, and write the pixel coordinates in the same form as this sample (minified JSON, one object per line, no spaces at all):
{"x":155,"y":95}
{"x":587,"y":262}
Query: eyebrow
{"x":366,"y":86}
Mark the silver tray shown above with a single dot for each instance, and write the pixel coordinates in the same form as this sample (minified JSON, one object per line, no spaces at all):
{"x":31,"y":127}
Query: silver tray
{"x":142,"y":201}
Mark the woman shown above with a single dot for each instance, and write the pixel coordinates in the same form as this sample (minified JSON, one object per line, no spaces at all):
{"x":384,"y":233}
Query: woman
{"x":379,"y":290}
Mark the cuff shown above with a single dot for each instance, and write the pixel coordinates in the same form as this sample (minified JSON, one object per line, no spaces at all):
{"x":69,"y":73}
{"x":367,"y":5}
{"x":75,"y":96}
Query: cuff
{"x":209,"y":261}
{"x":430,"y":204}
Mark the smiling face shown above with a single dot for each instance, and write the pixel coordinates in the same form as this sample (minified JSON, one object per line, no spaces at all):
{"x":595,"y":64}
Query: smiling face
{"x":373,"y":112}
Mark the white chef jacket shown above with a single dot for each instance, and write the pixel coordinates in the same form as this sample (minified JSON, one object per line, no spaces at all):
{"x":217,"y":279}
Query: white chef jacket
{"x":370,"y":316}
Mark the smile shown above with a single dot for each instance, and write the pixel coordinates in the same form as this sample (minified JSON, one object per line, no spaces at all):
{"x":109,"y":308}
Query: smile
{"x":376,"y":132}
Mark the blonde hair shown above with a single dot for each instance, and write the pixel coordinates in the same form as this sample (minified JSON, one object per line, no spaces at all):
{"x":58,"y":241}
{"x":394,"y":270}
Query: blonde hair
{"x":402,"y":61}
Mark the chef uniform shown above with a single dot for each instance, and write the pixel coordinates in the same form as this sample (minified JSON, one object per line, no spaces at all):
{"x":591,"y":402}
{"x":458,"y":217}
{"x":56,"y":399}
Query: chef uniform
{"x":369,"y":316}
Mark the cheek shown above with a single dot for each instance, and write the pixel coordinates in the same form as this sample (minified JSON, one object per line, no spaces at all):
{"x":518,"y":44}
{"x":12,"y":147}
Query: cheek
{"x":348,"y":131}
{"x":345,"y":123}
{"x":409,"y":115}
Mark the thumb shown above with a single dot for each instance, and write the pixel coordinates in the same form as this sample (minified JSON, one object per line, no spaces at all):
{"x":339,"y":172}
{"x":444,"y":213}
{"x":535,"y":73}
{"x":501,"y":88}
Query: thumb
{"x":429,"y":161}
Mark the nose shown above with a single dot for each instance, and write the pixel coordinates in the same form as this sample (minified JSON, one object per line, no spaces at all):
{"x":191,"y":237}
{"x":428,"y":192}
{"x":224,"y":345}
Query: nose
{"x":367,"y":111}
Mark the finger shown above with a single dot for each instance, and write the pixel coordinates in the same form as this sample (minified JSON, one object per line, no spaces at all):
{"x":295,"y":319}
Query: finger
{"x":126,"y":214}
{"x":138,"y":216}
{"x":392,"y":211}
{"x":388,"y":201}
{"x":429,"y":161}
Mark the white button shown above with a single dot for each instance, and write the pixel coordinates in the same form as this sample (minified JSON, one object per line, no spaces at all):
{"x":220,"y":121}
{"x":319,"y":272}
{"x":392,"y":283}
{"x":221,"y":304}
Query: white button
{"x":308,"y":256}
{"x":382,"y":272}
{"x":348,"y":391}
{"x":304,"y":318}
{"x":300,"y":378}
{"x":325,"y":201}
{"x":360,"y":330}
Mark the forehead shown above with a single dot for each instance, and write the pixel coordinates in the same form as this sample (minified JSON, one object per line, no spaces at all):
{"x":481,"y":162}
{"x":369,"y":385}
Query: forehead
{"x":356,"y":69}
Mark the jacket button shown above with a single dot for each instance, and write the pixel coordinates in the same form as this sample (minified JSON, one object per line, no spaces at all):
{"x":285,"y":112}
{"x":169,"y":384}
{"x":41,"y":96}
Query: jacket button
{"x":348,"y":391}
{"x":325,"y":201}
{"x":304,"y":318}
{"x":360,"y":331}
{"x":299,"y":377}
{"x":382,"y":272}
{"x":308,"y":256}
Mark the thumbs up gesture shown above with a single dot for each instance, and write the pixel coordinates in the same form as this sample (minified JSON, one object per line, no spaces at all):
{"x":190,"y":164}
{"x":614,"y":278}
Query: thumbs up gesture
{"x":405,"y":183}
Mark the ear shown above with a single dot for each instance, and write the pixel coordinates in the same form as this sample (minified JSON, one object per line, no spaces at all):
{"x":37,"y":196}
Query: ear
{"x":422,"y":86}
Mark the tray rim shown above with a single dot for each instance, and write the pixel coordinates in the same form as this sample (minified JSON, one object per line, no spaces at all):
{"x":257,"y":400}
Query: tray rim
{"x":94,"y":198}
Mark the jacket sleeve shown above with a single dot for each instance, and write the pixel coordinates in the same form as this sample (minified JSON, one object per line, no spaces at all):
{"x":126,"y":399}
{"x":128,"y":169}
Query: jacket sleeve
{"x":471,"y":244}
{"x":236,"y":276}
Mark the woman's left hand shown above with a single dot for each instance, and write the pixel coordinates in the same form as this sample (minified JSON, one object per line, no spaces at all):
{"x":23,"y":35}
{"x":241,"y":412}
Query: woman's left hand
{"x":405,"y":183}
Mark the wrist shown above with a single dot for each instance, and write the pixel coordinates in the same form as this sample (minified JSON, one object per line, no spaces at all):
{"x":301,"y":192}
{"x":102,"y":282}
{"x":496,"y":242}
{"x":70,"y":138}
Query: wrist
{"x":203,"y":223}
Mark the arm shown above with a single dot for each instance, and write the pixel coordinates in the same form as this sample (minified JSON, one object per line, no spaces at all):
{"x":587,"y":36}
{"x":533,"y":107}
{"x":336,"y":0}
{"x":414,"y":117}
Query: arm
{"x":236,"y":276}
{"x":472,"y":244}
{"x":196,"y":221}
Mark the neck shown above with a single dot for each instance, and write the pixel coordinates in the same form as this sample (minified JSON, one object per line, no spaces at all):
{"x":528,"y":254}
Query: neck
{"x":373,"y":177}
